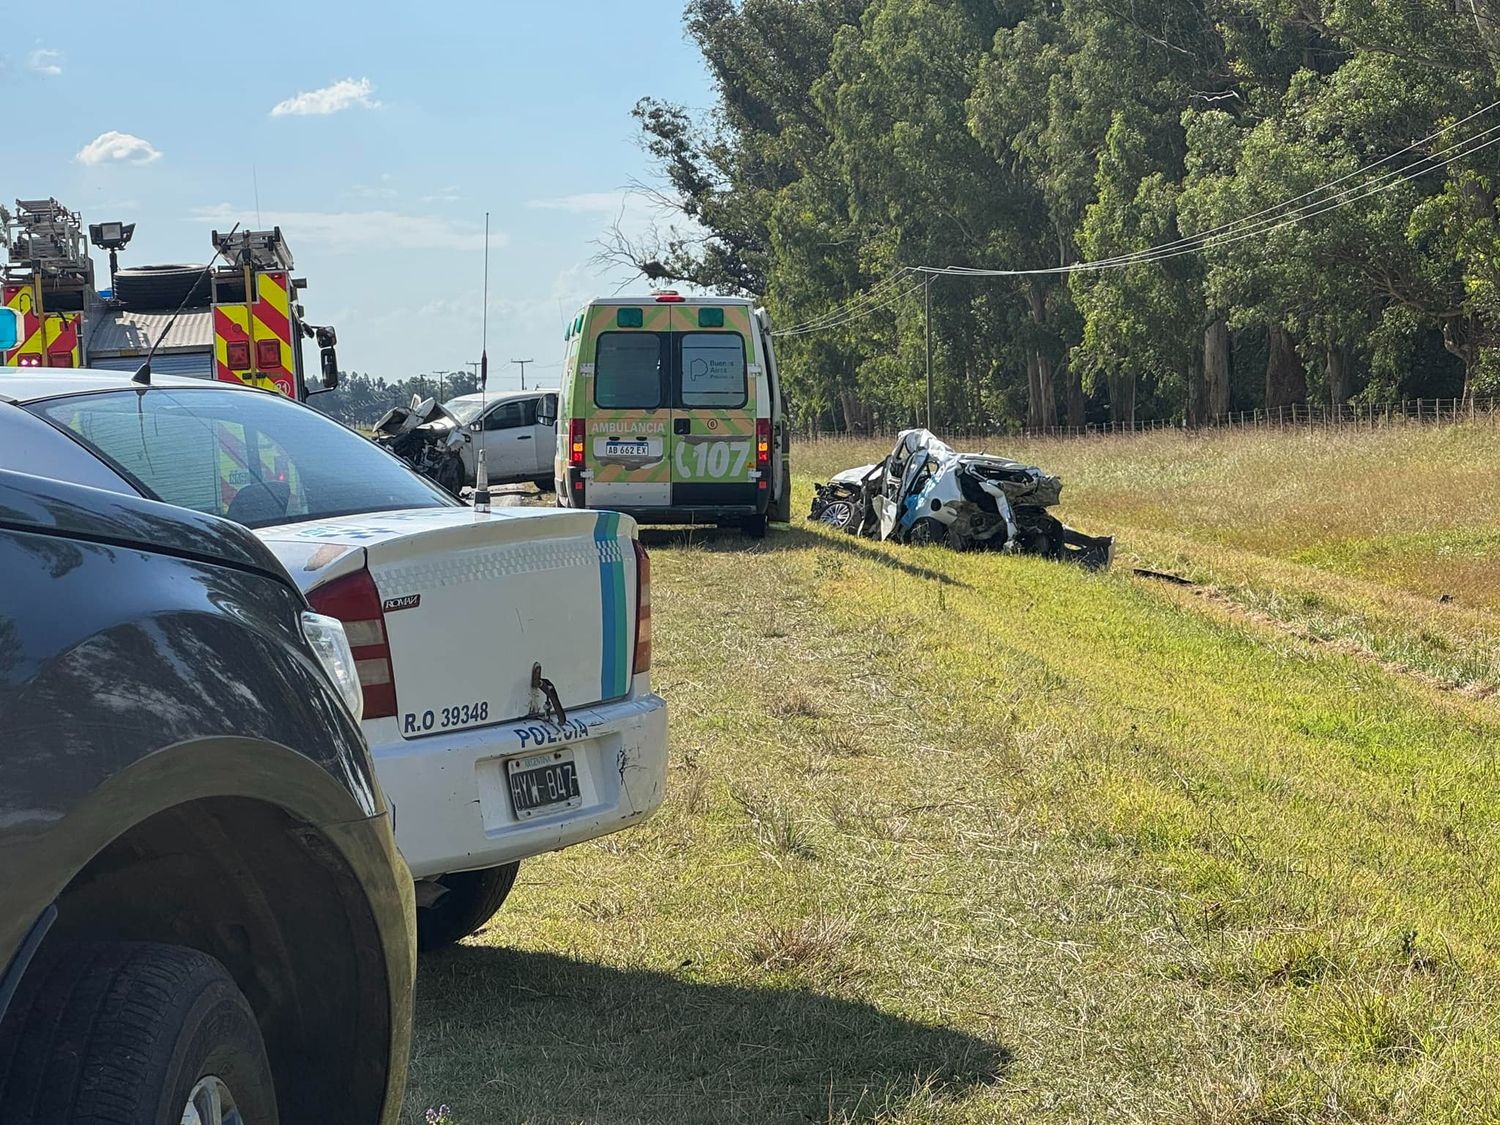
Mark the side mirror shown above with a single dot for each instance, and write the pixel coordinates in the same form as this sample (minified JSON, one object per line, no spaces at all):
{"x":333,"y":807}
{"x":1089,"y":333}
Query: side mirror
{"x":546,"y":411}
{"x":10,"y":329}
{"x":328,"y":360}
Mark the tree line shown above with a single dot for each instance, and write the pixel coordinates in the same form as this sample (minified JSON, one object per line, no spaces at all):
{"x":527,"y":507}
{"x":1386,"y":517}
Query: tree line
{"x":849,"y":139}
{"x":360,"y":399}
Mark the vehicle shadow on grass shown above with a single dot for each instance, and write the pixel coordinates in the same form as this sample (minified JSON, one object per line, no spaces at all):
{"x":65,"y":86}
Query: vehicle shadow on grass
{"x":788,"y":538}
{"x":504,"y":1035}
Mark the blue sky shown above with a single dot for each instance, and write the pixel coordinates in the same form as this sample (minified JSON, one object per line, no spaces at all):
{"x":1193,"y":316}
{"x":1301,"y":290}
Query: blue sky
{"x":377,"y":134}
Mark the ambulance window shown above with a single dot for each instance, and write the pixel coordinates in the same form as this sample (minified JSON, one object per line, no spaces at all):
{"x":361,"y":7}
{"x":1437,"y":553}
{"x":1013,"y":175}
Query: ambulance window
{"x":713,"y":369}
{"x":628,"y":370}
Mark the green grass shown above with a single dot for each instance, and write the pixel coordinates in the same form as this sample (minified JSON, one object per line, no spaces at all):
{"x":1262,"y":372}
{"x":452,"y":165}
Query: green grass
{"x":973,"y":838}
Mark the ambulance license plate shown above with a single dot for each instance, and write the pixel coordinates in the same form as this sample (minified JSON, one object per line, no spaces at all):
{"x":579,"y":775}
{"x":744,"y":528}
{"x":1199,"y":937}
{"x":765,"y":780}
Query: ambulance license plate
{"x":628,"y":449}
{"x":543,"y":783}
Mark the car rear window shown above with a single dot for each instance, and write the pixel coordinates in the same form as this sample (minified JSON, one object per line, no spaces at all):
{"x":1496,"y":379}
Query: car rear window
{"x":255,"y":458}
{"x":713,"y":369}
{"x":628,"y":371}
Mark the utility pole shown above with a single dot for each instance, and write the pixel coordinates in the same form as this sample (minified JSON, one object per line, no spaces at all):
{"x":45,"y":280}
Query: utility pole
{"x":473,"y":364}
{"x":927,"y":324}
{"x":523,"y":363}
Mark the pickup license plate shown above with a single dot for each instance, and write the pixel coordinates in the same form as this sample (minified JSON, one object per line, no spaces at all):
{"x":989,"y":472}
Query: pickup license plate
{"x":543,"y":783}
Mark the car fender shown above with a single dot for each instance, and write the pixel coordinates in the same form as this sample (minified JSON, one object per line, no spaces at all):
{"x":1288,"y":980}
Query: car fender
{"x":44,"y":863}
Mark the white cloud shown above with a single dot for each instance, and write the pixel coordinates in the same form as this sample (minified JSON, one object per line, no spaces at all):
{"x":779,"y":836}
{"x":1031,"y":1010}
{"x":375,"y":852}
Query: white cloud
{"x":354,"y":230}
{"x":118,"y":146}
{"x":343,"y":94}
{"x":45,"y":61}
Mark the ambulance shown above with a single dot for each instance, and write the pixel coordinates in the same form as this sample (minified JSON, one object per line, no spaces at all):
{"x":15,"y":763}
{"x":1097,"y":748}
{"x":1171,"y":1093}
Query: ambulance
{"x":673,"y":412}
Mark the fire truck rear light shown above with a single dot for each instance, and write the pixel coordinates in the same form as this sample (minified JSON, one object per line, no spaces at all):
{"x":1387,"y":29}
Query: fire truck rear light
{"x":267,"y":354}
{"x":59,"y":359}
{"x":237,"y":355}
{"x":642,"y":662}
{"x":29,"y":361}
{"x":355,"y":601}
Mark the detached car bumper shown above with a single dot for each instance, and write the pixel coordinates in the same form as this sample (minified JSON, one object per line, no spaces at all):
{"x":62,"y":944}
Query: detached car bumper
{"x":451,"y":798}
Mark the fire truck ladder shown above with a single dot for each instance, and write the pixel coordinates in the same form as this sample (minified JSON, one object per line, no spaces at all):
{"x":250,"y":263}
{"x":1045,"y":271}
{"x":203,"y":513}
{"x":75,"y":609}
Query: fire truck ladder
{"x":46,"y":242}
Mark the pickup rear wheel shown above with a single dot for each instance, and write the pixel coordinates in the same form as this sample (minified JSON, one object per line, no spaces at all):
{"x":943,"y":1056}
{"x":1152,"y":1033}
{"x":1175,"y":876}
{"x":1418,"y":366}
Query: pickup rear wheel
{"x":469,"y":900}
{"x":133,"y":1033}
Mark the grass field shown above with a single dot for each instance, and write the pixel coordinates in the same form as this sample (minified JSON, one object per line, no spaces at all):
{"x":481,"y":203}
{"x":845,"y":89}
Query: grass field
{"x":972,"y":838}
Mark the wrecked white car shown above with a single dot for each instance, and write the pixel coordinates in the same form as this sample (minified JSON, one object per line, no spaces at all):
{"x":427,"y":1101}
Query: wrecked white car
{"x":428,"y":438}
{"x":925,"y":492}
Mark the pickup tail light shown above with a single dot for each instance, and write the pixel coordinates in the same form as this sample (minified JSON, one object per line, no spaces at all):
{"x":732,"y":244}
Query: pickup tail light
{"x":763,"y":451}
{"x":575,"y":443}
{"x":354,"y":600}
{"x":642,"y":609}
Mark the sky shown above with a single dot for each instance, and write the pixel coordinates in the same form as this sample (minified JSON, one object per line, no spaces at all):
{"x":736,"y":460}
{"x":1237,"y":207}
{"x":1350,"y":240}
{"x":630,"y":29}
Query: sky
{"x":377,"y":136}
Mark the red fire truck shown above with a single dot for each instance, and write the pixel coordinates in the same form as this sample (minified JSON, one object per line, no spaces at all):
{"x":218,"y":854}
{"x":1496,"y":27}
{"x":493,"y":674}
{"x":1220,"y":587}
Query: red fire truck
{"x":239,"y":319}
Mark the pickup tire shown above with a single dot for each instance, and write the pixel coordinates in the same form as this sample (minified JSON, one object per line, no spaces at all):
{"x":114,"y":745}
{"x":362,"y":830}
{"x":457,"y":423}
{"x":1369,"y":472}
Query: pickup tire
{"x":132,"y":1033}
{"x":470,"y":899}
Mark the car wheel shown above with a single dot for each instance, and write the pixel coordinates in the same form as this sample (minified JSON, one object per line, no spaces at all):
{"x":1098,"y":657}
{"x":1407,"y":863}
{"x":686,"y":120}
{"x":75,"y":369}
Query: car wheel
{"x":841,"y":514}
{"x":134,"y":1033}
{"x":469,"y":900}
{"x":754,"y":527}
{"x":927,"y":532}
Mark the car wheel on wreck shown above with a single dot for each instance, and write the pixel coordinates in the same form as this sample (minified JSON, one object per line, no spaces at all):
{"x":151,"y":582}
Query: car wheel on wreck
{"x":928,"y":532}
{"x":842,"y":514}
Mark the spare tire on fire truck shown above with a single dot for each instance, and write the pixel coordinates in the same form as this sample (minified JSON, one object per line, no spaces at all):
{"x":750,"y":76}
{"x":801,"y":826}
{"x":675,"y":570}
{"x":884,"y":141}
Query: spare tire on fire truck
{"x":162,"y":287}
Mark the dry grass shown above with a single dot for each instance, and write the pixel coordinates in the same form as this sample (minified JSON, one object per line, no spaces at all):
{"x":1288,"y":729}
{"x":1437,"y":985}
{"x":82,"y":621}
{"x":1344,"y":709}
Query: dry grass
{"x":1033,"y":845}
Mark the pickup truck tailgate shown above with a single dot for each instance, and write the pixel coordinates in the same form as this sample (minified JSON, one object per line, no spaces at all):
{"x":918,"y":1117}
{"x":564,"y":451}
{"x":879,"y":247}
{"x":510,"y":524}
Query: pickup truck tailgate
{"x":472,"y":602}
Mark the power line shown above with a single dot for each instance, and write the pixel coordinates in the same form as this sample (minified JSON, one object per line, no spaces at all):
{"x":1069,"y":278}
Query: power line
{"x":1242,"y":220}
{"x":867,"y":296}
{"x":1235,"y":232}
{"x":858,"y":314}
{"x":1258,"y":224}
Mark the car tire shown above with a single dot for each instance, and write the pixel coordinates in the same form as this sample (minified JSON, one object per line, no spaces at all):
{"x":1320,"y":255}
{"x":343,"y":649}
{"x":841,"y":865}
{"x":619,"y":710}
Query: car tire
{"x":754,"y":527}
{"x":131,"y":1033}
{"x":470,"y":899}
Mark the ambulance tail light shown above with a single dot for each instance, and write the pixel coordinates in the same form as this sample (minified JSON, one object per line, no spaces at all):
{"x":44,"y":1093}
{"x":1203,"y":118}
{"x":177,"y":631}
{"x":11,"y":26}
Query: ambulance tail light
{"x":354,"y":600}
{"x":642,"y":609}
{"x":763,"y":451}
{"x":575,"y":443}
{"x":669,"y":297}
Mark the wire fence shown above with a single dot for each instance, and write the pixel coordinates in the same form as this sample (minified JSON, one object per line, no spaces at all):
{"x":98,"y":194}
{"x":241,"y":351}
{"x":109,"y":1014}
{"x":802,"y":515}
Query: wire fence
{"x":1306,"y":416}
{"x":1313,"y":416}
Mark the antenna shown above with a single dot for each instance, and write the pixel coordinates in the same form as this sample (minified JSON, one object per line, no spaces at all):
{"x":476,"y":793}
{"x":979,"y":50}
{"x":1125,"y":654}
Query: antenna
{"x":481,"y":473}
{"x":143,"y":372}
